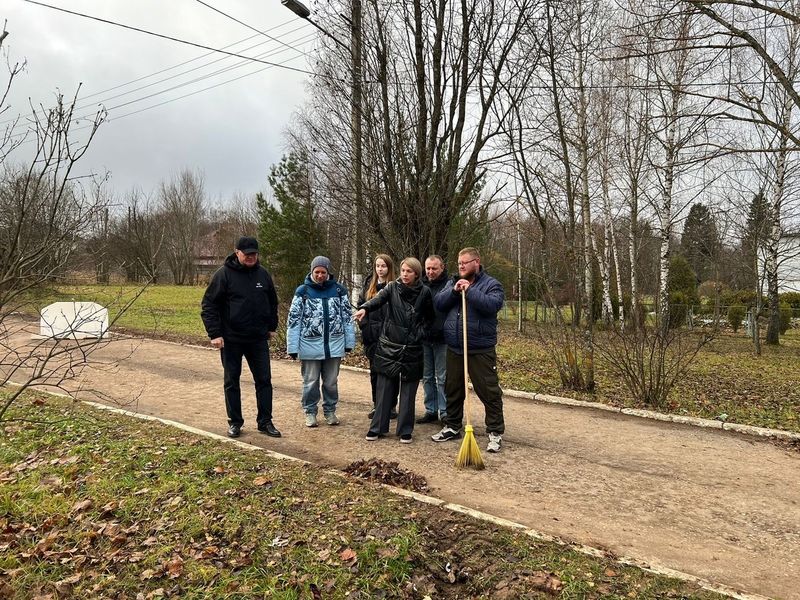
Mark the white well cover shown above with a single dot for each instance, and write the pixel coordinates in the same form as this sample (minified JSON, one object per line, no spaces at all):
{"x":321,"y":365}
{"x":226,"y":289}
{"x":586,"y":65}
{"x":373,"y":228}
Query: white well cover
{"x":77,"y":320}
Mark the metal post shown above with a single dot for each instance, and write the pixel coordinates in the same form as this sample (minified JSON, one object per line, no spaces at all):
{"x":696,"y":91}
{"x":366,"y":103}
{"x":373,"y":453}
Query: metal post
{"x":358,"y":251}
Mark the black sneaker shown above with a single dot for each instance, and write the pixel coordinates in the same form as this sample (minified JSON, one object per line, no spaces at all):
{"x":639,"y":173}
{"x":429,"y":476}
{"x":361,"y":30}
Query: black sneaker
{"x":446,"y":434}
{"x":405,"y":438}
{"x":234,"y":431}
{"x":427,"y":418}
{"x":371,"y":414}
{"x":392,"y":414}
{"x":269,"y":429}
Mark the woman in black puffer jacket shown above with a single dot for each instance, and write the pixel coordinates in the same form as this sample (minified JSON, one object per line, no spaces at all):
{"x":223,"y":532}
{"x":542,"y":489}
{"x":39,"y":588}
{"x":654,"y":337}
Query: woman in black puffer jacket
{"x":372,"y":325}
{"x":398,"y":355}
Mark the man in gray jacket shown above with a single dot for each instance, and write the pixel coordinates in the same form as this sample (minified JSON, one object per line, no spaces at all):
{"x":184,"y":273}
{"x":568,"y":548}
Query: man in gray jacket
{"x":485,"y":297}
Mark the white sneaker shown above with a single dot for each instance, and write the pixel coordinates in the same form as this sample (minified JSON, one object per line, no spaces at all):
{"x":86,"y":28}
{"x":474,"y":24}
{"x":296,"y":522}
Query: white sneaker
{"x":331,"y":418}
{"x":495,"y":439}
{"x":311,"y":420}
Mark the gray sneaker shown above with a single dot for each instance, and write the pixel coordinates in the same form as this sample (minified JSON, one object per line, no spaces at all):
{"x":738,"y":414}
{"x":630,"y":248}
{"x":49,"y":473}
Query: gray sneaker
{"x":495,"y":439}
{"x":311,"y":420}
{"x":331,"y":418}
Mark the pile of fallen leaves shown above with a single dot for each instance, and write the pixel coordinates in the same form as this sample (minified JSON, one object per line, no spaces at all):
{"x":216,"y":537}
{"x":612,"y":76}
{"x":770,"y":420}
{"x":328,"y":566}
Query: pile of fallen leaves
{"x":389,"y":473}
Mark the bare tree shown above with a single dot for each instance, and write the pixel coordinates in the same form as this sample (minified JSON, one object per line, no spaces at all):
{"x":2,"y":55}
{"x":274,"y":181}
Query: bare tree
{"x":182,"y":205}
{"x":45,"y":213}
{"x":138,"y":234}
{"x":432,"y":76}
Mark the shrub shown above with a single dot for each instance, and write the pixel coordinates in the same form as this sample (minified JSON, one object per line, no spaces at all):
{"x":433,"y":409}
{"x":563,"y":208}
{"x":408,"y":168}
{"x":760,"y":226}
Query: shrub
{"x":786,"y":317}
{"x":736,"y":316}
{"x":678,"y":309}
{"x":744,"y":297}
{"x":708,"y":289}
{"x":682,"y":280}
{"x":791,"y":298}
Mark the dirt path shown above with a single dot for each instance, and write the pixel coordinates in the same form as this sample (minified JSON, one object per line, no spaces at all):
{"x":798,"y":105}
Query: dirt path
{"x":715,"y":504}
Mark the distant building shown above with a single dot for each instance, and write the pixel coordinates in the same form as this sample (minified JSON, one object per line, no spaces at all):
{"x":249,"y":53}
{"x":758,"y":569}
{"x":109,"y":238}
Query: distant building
{"x":788,"y":263}
{"x":208,"y":256}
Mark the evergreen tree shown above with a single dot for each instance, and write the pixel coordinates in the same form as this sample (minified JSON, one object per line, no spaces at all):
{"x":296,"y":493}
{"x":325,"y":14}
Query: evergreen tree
{"x":290,"y":232}
{"x":700,"y":241}
{"x":755,"y":234}
{"x":682,"y":281}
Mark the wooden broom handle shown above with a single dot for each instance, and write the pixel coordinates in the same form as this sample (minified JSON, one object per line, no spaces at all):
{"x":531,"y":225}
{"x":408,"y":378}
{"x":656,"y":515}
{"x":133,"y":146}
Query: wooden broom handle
{"x":464,"y":343}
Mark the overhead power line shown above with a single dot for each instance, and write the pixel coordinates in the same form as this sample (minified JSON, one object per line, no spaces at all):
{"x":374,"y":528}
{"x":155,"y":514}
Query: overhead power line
{"x":21,"y":119}
{"x":21,"y":122}
{"x":174,"y":39}
{"x":258,"y":31}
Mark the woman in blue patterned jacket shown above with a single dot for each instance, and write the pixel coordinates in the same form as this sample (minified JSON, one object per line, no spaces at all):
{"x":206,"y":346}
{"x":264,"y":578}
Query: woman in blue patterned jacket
{"x":320,"y":331}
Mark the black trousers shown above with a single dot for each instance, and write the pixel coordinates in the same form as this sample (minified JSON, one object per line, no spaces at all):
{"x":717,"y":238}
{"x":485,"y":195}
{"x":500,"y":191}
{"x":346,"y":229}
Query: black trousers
{"x":257,"y":355}
{"x":388,"y":389}
{"x":483,"y":374}
{"x":373,"y":376}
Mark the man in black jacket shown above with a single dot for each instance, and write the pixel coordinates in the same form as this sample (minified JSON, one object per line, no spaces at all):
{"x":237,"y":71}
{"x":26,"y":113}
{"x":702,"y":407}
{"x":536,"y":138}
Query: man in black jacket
{"x":434,"y":348}
{"x":240,"y":314}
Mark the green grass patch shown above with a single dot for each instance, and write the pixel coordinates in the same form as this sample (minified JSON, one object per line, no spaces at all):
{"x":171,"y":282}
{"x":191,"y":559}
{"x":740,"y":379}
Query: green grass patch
{"x":161,"y":310}
{"x":104,"y":506}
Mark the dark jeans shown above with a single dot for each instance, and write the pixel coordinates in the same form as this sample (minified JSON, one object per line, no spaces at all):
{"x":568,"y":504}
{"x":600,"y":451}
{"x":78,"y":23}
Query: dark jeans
{"x":483,"y":375}
{"x":257,"y":355}
{"x":388,"y":389}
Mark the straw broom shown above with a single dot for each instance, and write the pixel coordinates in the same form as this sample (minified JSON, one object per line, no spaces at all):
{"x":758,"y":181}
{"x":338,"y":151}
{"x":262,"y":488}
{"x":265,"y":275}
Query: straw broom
{"x":469,"y":455}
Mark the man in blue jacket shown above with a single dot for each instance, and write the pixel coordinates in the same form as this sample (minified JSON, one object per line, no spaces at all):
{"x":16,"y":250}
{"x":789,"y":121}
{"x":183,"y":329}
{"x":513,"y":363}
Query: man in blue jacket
{"x":485,"y":298}
{"x":240,"y":314}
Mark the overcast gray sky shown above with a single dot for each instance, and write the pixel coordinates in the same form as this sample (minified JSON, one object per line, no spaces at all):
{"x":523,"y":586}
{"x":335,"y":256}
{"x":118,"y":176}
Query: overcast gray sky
{"x":231,"y":133}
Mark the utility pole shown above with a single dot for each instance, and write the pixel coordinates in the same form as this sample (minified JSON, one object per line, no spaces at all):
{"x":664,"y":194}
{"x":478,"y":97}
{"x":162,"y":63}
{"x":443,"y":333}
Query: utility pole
{"x":358,"y":183}
{"x":519,"y":270}
{"x":358,"y":251}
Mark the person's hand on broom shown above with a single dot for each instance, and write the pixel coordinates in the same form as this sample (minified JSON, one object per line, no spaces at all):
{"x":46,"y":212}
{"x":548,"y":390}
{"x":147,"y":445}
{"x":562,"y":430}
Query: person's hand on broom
{"x":461,"y":285}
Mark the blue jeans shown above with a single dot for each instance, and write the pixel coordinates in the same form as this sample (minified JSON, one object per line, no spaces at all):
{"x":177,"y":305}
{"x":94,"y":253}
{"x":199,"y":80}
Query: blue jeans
{"x":433,"y":376}
{"x":328,"y":370}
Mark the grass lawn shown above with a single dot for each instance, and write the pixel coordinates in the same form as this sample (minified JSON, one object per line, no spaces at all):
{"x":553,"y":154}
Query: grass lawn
{"x":725,"y":377}
{"x":96,"y":505}
{"x":161,"y":310}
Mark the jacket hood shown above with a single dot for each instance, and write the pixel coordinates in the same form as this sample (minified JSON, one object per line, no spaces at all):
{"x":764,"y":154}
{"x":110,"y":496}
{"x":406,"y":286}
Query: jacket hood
{"x":233,"y":263}
{"x":331,"y":281}
{"x":409,"y":293}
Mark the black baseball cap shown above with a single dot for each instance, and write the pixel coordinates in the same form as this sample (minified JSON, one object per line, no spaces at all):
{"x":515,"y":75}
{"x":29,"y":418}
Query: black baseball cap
{"x":248,"y":245}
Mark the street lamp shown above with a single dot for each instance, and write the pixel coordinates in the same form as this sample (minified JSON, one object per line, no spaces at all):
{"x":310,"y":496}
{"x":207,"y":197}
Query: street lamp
{"x":302,"y":11}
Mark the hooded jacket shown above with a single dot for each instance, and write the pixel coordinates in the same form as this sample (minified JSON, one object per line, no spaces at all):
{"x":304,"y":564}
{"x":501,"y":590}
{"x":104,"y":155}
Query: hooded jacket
{"x":320,"y":323}
{"x":409,"y":314}
{"x":485,"y":297}
{"x":436,"y":330}
{"x":240,"y":303}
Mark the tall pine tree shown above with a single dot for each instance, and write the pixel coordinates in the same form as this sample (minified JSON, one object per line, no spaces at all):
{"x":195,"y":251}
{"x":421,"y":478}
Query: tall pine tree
{"x":700,"y":241}
{"x":754,"y":236}
{"x":290,"y":233}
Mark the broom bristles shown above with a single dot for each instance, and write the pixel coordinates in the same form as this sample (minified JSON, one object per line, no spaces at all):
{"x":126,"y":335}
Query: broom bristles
{"x":469,"y":455}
